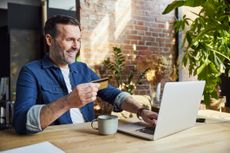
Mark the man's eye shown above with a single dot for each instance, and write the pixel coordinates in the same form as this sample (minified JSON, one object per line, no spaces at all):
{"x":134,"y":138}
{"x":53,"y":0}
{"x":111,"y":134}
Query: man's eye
{"x":69,"y":39}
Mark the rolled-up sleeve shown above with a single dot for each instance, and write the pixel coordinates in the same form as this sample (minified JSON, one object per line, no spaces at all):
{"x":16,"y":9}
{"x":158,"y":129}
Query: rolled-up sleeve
{"x":33,"y":119}
{"x":119,"y":100}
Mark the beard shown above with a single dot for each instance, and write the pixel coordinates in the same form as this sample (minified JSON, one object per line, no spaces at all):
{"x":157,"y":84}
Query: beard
{"x":64,"y":58}
{"x":70,"y":56}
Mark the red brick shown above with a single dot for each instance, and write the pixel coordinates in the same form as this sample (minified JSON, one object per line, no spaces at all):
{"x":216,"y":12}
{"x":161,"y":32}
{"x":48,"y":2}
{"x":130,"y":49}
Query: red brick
{"x":126,"y":41}
{"x":134,"y":37}
{"x":161,"y":25}
{"x":148,"y":33}
{"x":141,"y":42}
{"x":149,"y":38}
{"x":155,"y":34}
{"x":133,"y":42}
{"x":127,"y":47}
{"x":146,"y":29}
{"x":142,"y":47}
{"x":141,"y":23}
{"x":141,"y":28}
{"x":141,"y":33}
{"x":133,"y":32}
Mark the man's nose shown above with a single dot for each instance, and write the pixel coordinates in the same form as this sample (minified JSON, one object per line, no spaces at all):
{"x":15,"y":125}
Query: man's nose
{"x":76,"y":44}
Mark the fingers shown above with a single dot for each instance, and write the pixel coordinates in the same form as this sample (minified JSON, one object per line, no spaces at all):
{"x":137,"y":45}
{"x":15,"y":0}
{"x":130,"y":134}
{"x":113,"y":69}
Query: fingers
{"x":89,"y":87}
{"x":90,"y":96}
{"x":153,"y":115}
{"x":151,"y":122}
{"x":87,"y":92}
{"x":150,"y":117}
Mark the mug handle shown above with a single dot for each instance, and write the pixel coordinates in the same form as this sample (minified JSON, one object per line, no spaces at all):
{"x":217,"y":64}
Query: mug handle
{"x":94,"y":120}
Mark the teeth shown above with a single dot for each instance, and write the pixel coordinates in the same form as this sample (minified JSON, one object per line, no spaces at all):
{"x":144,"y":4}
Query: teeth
{"x":71,"y":53}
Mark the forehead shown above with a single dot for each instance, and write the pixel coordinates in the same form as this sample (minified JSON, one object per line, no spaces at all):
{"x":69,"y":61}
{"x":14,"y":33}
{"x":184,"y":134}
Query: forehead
{"x":68,"y":30}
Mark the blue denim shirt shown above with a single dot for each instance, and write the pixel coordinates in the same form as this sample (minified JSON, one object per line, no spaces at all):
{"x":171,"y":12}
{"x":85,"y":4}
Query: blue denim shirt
{"x":41,"y":82}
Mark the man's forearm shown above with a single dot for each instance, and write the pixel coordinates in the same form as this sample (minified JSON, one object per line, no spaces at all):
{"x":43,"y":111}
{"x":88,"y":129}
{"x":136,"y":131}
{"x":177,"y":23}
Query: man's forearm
{"x":52,"y":111}
{"x":131,"y":105}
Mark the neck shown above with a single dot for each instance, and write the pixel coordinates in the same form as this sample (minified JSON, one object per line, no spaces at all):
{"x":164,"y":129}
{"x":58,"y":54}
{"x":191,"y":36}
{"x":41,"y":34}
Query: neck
{"x":64,"y":67}
{"x":60,"y":65}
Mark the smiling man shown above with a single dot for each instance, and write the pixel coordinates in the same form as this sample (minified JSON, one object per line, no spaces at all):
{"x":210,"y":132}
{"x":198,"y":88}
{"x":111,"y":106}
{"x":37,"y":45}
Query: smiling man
{"x":57,"y":89}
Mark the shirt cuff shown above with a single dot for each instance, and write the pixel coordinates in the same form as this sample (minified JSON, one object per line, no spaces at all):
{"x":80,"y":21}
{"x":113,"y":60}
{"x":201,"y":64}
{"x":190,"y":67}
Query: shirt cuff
{"x":33,"y":119}
{"x":119,"y":100}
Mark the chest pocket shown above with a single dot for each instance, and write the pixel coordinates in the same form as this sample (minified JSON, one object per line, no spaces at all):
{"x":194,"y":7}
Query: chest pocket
{"x":51,"y":93}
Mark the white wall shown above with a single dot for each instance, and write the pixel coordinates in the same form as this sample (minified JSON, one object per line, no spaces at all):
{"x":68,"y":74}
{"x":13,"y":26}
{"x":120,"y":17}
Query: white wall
{"x":60,"y":4}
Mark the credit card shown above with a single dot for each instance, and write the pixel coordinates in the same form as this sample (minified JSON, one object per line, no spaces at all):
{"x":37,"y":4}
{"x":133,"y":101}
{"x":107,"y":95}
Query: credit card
{"x":104,"y":82}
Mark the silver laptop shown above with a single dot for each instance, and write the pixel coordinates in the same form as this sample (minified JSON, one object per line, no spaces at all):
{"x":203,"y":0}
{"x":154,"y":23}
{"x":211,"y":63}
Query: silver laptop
{"x":178,"y":111}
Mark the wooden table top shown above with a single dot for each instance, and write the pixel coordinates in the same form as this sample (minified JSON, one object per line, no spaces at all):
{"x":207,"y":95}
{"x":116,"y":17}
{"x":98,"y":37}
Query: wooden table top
{"x":212,"y":137}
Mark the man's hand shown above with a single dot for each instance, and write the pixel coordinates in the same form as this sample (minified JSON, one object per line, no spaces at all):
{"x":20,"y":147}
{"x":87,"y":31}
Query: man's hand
{"x":83,"y":94}
{"x":149,"y":117}
{"x":80,"y":96}
{"x":131,"y":105}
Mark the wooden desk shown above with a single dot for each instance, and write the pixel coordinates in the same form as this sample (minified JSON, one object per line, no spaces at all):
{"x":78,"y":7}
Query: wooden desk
{"x":212,"y":137}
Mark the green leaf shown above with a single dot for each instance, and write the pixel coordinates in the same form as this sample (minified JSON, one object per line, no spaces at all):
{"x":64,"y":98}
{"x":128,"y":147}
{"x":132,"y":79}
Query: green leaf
{"x":214,"y":69}
{"x":188,"y":37}
{"x":229,"y":73}
{"x":194,"y":3}
{"x":200,"y":69}
{"x":173,"y":5}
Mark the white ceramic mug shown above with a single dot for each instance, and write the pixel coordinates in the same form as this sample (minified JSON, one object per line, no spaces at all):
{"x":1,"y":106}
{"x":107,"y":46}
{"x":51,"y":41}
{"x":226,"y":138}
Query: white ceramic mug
{"x":107,"y":124}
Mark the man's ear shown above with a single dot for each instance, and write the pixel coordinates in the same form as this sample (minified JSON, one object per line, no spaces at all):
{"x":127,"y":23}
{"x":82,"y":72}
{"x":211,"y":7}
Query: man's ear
{"x":48,"y":38}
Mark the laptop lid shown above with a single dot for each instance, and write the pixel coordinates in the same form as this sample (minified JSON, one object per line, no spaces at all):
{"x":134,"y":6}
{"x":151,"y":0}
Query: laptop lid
{"x":179,"y":107}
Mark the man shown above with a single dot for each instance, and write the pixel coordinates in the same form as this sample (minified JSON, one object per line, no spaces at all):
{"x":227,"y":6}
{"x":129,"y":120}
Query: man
{"x":57,"y":90}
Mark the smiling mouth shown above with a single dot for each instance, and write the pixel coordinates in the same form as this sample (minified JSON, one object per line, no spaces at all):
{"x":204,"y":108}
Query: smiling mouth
{"x":72,"y":52}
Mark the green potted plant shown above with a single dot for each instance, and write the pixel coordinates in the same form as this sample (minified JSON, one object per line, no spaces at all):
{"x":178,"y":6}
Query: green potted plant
{"x":115,"y":68}
{"x":206,"y":42}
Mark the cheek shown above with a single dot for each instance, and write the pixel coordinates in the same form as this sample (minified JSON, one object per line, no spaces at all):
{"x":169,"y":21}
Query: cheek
{"x":66,"y":46}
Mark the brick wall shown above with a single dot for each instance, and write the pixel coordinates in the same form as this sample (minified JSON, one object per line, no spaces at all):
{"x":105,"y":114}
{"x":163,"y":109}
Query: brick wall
{"x":136,"y":26}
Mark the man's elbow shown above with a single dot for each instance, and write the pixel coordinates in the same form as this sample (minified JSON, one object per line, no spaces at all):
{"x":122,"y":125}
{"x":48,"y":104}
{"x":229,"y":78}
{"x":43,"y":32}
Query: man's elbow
{"x":19,"y":124}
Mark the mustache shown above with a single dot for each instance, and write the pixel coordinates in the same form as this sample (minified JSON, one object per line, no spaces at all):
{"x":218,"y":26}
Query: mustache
{"x":75,"y":50}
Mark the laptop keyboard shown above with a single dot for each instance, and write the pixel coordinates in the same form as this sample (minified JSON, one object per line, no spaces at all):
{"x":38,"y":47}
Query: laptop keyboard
{"x":147,"y":130}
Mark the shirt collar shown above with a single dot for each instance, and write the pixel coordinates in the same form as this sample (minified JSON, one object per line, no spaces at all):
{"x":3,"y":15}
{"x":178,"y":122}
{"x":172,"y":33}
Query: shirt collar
{"x":73,"y":67}
{"x":47,"y":63}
